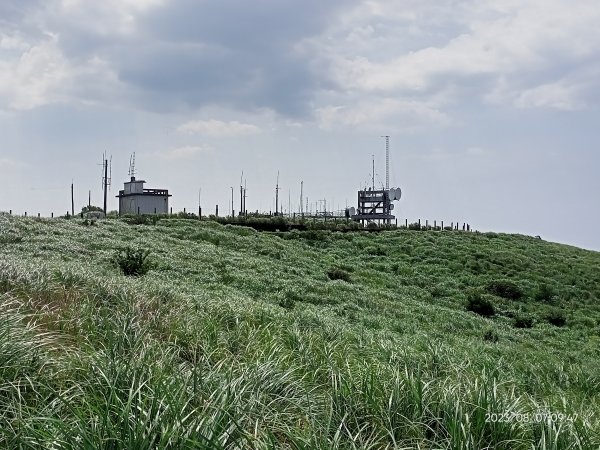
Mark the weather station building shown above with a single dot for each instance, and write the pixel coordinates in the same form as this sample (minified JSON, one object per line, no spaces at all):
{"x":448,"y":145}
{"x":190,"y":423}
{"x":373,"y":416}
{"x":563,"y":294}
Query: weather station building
{"x":134,"y":199}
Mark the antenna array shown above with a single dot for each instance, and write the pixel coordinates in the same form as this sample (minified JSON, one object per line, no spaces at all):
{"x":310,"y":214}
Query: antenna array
{"x":132,"y":165}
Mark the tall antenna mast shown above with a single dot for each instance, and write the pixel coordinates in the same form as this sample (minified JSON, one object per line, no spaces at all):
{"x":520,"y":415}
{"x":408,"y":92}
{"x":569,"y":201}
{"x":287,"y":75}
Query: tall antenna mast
{"x":387,"y":162}
{"x":373,"y":173}
{"x":277,"y":195}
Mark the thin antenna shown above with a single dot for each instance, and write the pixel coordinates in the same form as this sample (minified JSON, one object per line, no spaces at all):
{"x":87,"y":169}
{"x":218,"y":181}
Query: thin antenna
{"x":72,"y":201}
{"x":387,"y":162}
{"x":277,"y":195}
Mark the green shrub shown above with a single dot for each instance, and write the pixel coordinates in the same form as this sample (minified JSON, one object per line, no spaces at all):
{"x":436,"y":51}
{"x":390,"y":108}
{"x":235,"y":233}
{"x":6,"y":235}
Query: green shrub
{"x":375,"y":250}
{"x":133,"y":262}
{"x":479,"y":305}
{"x":335,"y":273}
{"x":544,"y":293}
{"x":490,"y":336}
{"x":556,"y":317}
{"x":505,"y":289}
{"x":523,"y":321}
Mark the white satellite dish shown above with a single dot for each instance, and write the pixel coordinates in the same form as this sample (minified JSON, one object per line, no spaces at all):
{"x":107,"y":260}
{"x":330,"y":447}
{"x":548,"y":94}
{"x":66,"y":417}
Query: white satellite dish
{"x":397,"y":193}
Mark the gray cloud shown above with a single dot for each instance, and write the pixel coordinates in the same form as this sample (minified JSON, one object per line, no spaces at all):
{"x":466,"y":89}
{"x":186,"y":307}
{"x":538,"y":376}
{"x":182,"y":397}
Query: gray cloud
{"x":190,"y":54}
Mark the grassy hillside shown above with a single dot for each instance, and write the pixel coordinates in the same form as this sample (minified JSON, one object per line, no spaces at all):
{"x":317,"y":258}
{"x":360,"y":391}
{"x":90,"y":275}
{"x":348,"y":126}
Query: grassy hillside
{"x":316,"y":339}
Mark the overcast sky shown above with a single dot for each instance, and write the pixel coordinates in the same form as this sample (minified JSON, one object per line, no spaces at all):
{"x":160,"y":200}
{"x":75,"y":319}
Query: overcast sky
{"x":491,"y":105}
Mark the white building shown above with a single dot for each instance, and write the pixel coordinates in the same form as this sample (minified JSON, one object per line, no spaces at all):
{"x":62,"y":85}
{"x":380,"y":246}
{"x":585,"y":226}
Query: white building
{"x":134,"y":199}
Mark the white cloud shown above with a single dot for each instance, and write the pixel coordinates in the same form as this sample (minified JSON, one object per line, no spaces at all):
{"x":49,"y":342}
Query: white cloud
{"x":10,"y":163}
{"x":217,"y":128}
{"x":182,"y":153}
{"x":468,"y":44}
{"x":35,"y":77}
{"x":381,"y":113}
{"x":559,"y":95}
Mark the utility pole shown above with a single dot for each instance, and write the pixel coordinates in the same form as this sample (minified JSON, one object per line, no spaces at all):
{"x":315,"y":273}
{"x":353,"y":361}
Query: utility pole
{"x":89,"y":198}
{"x":232,"y":211}
{"x":277,"y":195}
{"x":301,"y":199}
{"x":105,"y":183}
{"x":72,"y":201}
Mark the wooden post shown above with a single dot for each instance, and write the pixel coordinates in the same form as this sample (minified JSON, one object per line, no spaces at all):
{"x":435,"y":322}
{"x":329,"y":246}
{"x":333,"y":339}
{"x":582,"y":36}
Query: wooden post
{"x":434,"y":224}
{"x":406,"y":223}
{"x":38,"y":215}
{"x":419,"y":224}
{"x":52,"y":215}
{"x":200,"y":213}
{"x":184,"y":210}
{"x":25,"y":213}
{"x":442,"y":227}
{"x":171,"y":210}
{"x":426,"y":224}
{"x":217,"y":211}
{"x":10,"y":212}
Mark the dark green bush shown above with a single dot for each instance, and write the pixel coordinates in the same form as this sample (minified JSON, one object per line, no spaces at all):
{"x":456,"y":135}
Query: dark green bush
{"x":523,"y":321}
{"x":490,"y":336}
{"x":544,"y":293}
{"x":335,"y":273}
{"x":375,"y":250}
{"x":556,"y":317}
{"x":505,"y":289}
{"x":479,"y":305}
{"x":133,"y":262}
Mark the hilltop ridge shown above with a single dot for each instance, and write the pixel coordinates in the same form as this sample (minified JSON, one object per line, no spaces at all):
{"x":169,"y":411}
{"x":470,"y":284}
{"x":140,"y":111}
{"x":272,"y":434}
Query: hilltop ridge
{"x":305,"y":339}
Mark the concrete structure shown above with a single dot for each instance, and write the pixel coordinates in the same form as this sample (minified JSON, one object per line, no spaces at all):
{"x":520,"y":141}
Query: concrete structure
{"x":134,"y":199}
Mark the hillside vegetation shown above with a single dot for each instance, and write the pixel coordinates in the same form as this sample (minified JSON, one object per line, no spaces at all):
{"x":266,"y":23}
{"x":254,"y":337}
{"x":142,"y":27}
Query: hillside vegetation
{"x":232,"y":338}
